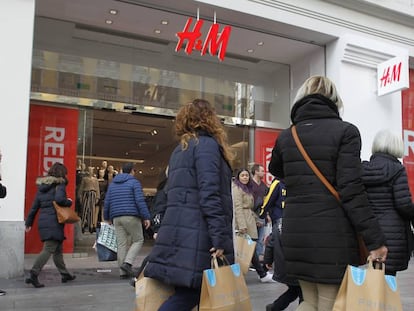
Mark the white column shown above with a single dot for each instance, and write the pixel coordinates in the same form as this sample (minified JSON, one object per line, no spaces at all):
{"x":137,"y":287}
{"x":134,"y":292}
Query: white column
{"x":16,"y":29}
{"x":352,"y":65}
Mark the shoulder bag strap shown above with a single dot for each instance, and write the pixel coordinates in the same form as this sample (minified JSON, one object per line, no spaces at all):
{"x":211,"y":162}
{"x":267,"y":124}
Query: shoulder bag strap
{"x":312,"y":165}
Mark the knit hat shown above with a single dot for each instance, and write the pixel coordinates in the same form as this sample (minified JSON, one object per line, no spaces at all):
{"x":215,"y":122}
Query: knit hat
{"x":127,"y":167}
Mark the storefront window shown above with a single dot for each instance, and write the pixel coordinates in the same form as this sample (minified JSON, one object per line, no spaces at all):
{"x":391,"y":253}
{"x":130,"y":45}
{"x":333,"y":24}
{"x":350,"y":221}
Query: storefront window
{"x":241,"y":95}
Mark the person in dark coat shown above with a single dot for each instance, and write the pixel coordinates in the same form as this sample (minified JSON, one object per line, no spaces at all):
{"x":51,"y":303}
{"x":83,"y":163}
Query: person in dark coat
{"x":389,"y":196}
{"x":159,"y":203}
{"x":319,"y":234}
{"x":50,"y":188}
{"x":197,"y":223}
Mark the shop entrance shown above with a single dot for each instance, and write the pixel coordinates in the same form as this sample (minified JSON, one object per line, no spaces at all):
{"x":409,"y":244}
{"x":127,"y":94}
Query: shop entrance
{"x":107,"y":140}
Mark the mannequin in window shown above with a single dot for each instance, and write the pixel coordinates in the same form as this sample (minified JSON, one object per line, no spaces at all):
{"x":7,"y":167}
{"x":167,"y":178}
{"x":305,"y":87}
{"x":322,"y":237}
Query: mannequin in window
{"x":89,"y":197}
{"x":110,"y":174}
{"x":103,"y":186}
{"x":80,"y":173}
{"x":104,"y":168}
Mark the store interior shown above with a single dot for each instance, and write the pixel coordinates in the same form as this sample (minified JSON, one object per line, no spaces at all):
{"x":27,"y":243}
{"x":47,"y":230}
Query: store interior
{"x":109,"y":139}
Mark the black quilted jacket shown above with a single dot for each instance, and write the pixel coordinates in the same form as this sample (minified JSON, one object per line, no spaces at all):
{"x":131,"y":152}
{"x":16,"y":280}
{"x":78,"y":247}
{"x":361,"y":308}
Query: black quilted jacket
{"x":389,"y":196}
{"x":319,"y":238}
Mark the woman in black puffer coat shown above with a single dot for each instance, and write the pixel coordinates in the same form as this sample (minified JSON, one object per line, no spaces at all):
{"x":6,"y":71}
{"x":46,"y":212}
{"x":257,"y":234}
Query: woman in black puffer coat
{"x":50,"y":188}
{"x":319,"y":235}
{"x":389,"y":195}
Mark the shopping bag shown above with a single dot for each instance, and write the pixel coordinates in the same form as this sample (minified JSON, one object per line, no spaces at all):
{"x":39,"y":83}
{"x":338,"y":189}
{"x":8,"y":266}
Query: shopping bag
{"x":151,"y":294}
{"x":104,"y":253}
{"x":224,"y":289}
{"x":245,"y":248}
{"x":365,"y":288}
{"x":65,"y":215}
{"x":107,"y":237}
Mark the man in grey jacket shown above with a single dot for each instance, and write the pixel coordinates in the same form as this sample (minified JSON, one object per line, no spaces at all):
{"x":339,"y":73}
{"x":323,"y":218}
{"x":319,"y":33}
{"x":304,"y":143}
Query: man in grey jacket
{"x":125,"y":207}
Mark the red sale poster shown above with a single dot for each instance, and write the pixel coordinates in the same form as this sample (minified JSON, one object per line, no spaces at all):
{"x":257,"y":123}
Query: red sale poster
{"x":53,"y":135}
{"x":408,"y":129}
{"x":263,"y":146}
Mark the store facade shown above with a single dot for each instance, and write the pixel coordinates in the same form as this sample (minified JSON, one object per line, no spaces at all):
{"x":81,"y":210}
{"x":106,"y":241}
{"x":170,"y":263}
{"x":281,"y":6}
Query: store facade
{"x":100,"y":76}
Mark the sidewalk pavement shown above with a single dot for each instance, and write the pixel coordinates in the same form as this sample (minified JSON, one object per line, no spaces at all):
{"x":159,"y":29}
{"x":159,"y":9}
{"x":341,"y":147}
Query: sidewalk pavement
{"x":98,"y":287}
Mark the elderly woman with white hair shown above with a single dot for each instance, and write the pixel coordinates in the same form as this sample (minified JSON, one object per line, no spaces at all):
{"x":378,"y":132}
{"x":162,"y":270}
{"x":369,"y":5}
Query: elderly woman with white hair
{"x":389,"y":196}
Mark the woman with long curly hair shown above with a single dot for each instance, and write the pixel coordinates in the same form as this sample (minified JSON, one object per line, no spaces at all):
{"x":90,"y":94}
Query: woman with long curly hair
{"x":198,"y":219}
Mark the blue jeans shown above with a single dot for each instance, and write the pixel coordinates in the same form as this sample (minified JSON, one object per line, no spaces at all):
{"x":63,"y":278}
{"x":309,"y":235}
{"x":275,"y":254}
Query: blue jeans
{"x":184,"y":299}
{"x":259,"y":242}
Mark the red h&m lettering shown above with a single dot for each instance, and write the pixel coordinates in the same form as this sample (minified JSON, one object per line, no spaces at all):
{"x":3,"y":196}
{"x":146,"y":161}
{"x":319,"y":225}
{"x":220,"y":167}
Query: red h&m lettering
{"x":213,"y":43}
{"x":389,"y":76}
{"x":192,"y":37}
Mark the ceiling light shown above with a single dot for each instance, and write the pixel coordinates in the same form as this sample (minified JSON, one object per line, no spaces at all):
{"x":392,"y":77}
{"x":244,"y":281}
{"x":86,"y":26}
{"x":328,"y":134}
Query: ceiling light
{"x":250,"y":51}
{"x":154,"y":132}
{"x":109,"y":22}
{"x":140,"y":171}
{"x":260,"y":43}
{"x":113,"y":11}
{"x":164,"y":22}
{"x":157,"y":31}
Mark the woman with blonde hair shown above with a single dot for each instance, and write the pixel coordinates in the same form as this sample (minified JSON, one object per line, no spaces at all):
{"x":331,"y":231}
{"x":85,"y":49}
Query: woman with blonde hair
{"x":319,"y":233}
{"x":197,"y":223}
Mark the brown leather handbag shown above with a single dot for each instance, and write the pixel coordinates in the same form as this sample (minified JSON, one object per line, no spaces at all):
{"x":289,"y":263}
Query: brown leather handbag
{"x":363,"y":251}
{"x":65,"y":215}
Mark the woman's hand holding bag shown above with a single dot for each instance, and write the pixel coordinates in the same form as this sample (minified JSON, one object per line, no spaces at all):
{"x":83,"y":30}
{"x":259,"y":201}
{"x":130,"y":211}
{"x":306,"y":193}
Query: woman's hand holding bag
{"x":224,"y":288}
{"x":368,"y":288}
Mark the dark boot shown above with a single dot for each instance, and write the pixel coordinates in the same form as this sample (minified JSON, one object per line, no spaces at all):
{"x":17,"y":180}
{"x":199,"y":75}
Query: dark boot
{"x":67,"y":277}
{"x":34,"y":280}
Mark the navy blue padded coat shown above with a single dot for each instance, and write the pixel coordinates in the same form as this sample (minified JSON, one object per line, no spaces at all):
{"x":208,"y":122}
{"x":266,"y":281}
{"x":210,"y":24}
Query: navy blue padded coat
{"x":49,"y":189}
{"x":125,"y":198}
{"x":198,"y":216}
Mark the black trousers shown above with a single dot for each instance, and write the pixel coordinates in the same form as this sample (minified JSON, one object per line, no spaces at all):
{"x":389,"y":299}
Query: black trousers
{"x":287,"y":297}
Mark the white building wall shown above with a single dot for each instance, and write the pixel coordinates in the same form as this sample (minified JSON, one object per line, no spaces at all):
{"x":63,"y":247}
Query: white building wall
{"x":351,"y":63}
{"x":16,"y":29}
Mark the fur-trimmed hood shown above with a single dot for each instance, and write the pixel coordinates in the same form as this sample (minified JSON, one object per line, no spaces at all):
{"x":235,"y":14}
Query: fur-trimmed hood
{"x":47,"y":182}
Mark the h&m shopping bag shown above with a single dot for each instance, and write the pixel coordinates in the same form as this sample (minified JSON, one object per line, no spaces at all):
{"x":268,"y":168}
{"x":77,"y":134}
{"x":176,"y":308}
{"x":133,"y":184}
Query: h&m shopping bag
{"x":107,"y":237}
{"x":224,"y":289}
{"x":104,"y":254}
{"x":245,"y":248}
{"x":368,"y":289}
{"x":151,"y":294}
